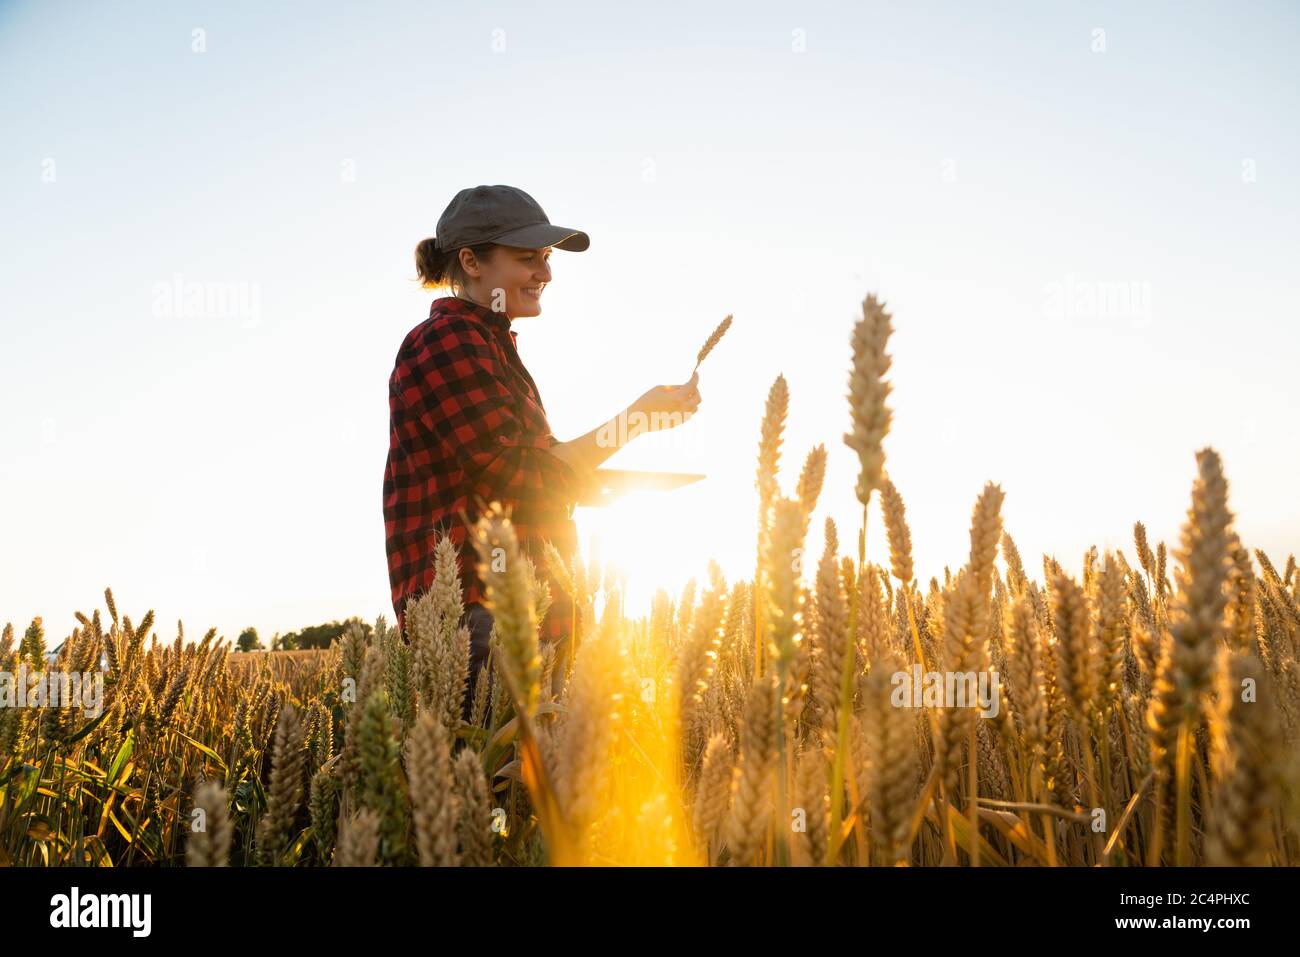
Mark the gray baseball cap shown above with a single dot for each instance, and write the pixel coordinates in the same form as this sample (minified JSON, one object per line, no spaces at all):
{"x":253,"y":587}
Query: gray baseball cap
{"x":506,"y":215}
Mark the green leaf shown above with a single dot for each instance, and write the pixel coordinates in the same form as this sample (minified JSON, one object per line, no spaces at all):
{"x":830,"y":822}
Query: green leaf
{"x":205,"y":750}
{"x":295,"y":850}
{"x":30,"y":784}
{"x":143,"y":837}
{"x":123,"y":753}
{"x":99,"y":854}
{"x":90,"y":726}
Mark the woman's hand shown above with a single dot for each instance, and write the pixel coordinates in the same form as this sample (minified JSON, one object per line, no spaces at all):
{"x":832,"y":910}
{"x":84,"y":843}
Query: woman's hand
{"x":668,"y":406}
{"x":663,"y":407}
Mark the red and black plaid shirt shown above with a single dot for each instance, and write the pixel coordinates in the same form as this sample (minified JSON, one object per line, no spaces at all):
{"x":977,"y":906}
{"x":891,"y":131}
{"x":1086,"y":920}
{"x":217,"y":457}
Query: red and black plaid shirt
{"x":467,"y":425}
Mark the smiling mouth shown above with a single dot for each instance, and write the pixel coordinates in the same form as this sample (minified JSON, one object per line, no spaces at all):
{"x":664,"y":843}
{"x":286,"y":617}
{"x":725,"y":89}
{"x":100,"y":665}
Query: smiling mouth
{"x":534,"y":291}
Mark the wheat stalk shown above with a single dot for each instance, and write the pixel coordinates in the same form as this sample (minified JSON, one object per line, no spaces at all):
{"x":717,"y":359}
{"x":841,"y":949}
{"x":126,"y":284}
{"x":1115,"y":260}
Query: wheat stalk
{"x":868,"y":391}
{"x":714,"y":338}
{"x":713,"y":795}
{"x":209,"y":845}
{"x":433,"y":799}
{"x":747,"y":821}
{"x":474,"y":817}
{"x":1248,"y":766}
{"x":509,"y":578}
{"x":288,"y":763}
{"x":359,"y":841}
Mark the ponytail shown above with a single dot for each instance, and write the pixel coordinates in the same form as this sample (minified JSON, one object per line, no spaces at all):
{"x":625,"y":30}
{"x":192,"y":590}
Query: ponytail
{"x":438,"y":268}
{"x":431,"y":263}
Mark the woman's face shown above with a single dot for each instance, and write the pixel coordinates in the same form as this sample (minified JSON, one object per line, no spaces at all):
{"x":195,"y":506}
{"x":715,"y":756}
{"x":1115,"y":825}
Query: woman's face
{"x":511,"y":280}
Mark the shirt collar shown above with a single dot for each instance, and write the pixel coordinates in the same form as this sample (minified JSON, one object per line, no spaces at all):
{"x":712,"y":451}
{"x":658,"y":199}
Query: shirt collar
{"x":490,"y":317}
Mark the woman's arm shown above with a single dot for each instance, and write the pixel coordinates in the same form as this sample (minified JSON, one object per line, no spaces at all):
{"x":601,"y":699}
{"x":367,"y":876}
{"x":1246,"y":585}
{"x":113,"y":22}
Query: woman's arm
{"x":663,"y":407}
{"x":587,"y":452}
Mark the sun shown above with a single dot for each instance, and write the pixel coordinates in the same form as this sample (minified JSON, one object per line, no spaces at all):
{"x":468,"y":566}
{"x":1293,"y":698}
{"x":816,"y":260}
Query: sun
{"x":652,"y":540}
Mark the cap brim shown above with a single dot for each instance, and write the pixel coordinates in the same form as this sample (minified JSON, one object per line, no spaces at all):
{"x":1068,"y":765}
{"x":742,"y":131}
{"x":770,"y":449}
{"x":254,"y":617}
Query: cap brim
{"x":546,"y":234}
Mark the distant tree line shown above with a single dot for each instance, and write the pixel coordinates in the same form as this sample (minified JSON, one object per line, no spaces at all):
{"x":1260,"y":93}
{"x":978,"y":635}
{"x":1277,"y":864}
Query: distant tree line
{"x":315,"y":636}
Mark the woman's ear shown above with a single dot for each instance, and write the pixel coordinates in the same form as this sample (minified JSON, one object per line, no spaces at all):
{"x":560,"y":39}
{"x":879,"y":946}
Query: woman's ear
{"x":469,"y":263}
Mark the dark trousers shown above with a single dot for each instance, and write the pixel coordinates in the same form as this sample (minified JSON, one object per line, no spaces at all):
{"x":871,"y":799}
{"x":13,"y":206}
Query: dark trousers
{"x":479,"y":621}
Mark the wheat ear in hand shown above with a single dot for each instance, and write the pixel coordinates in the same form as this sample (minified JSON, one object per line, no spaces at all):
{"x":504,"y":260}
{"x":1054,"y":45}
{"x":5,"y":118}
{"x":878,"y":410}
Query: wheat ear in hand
{"x":714,"y":338}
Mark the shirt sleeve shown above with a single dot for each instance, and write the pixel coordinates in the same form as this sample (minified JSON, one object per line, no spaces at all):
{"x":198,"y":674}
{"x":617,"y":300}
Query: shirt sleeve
{"x":455,"y":386}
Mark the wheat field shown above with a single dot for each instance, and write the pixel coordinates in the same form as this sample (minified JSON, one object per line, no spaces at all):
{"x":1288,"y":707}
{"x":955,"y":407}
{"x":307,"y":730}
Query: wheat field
{"x":1147,"y":711}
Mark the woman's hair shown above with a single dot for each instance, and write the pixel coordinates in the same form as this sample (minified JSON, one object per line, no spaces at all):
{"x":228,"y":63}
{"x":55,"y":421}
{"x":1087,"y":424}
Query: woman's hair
{"x":441,"y":269}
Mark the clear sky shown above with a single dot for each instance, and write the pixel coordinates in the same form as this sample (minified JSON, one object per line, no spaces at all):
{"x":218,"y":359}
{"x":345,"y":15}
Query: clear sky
{"x":1083,"y":216}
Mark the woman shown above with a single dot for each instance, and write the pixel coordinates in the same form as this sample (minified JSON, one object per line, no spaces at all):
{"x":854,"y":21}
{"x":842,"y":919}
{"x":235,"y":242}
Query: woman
{"x":467,"y":425}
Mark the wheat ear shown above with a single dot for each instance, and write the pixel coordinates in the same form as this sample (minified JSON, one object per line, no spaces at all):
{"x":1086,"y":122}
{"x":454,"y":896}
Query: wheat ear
{"x":714,"y":338}
{"x":868,"y":391}
{"x":433,"y":798}
{"x":210,"y":846}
